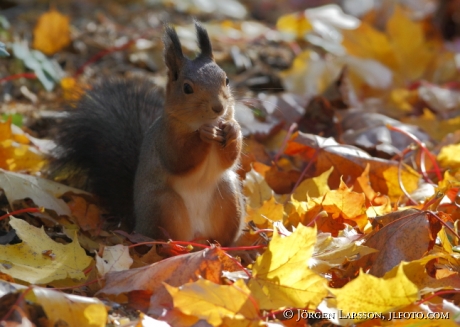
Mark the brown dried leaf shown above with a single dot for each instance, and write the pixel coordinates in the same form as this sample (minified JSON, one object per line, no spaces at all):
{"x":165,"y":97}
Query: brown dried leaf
{"x":145,"y":285}
{"x":405,"y":236}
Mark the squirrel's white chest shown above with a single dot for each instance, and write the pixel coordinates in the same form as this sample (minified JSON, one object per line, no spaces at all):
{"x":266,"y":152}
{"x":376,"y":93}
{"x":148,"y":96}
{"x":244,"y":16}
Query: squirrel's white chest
{"x":198,"y":190}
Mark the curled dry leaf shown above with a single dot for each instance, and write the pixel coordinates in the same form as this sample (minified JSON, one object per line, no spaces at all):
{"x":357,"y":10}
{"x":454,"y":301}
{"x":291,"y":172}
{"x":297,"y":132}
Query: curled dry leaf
{"x":369,"y":131}
{"x":114,"y":258}
{"x":405,"y":236}
{"x":334,"y":251}
{"x":43,"y":192}
{"x":145,"y":286}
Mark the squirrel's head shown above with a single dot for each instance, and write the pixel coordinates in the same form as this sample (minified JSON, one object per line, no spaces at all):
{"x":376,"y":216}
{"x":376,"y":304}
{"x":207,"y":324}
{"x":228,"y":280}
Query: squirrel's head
{"x":197,"y":91}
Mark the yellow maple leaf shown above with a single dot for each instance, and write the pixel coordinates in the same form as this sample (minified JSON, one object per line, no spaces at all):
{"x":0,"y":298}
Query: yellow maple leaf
{"x":52,"y":32}
{"x":281,"y":277}
{"x":435,"y":127}
{"x":416,"y":272}
{"x":256,"y":189}
{"x":403,"y":98}
{"x":69,"y":309}
{"x":367,"y":42}
{"x":295,"y":211}
{"x":15,"y":152}
{"x":376,"y":295}
{"x":219,"y":305}
{"x":314,"y":187}
{"x":296,"y":24}
{"x":39,"y":259}
{"x":269,"y":211}
{"x":402,"y":47}
{"x":448,"y":157}
{"x":409,"y":45}
{"x":393,"y":176}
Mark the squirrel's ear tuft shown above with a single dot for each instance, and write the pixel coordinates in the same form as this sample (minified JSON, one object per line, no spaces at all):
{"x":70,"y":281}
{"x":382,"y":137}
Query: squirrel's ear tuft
{"x":203,"y":41}
{"x":174,"y":57}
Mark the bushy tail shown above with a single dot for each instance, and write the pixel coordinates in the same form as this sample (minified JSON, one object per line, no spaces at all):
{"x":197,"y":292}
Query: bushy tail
{"x":101,"y":138}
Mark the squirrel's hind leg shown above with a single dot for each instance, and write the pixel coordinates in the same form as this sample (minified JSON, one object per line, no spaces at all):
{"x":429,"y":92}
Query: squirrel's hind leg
{"x":227,"y":212}
{"x":161,"y":212}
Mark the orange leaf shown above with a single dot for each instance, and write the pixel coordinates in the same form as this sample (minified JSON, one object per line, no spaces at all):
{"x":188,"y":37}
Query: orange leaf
{"x":87,"y":214}
{"x":52,"y":32}
{"x":346,"y":204}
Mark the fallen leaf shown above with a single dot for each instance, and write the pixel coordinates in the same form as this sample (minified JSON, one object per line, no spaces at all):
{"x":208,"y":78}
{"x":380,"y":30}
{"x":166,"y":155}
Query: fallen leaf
{"x":406,"y":235}
{"x":448,"y":157}
{"x":280,"y":181}
{"x":296,"y":24}
{"x":211,"y":302}
{"x":334,"y":251}
{"x":416,"y":272}
{"x":256,"y":189}
{"x":281,"y":277}
{"x":313,"y":187}
{"x":16,"y":153}
{"x":350,"y":162}
{"x":346,"y":204}
{"x":367,"y":42}
{"x":145,"y":285}
{"x":363,"y":183}
{"x":369,"y":131}
{"x":114,"y":258}
{"x":269,"y":211}
{"x":72,"y":90}
{"x":43,"y":192}
{"x":69,"y":309}
{"x":87,"y":215}
{"x":409,"y":45}
{"x":26,"y":262}
{"x":369,"y":294}
{"x":52,"y":32}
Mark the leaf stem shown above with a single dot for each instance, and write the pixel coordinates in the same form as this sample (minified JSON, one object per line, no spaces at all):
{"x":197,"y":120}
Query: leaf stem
{"x":18,"y":212}
{"x":17,"y":76}
{"x":422,"y":146}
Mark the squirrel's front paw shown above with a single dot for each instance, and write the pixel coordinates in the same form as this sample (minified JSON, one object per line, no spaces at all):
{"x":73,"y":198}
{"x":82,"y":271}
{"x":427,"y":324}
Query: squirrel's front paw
{"x":231,"y":131}
{"x":210,"y":133}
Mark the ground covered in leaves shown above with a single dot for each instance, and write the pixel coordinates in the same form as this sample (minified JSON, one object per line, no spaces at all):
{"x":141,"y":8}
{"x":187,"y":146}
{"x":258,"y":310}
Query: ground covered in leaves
{"x":351,"y":167}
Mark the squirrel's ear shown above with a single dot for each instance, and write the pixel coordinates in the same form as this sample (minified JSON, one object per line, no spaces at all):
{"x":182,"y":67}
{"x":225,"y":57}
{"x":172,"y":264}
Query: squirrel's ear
{"x":203,"y":41}
{"x":174,"y":57}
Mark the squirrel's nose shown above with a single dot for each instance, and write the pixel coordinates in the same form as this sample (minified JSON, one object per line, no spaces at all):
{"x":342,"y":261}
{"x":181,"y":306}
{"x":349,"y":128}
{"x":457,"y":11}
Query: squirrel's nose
{"x":218,"y":108}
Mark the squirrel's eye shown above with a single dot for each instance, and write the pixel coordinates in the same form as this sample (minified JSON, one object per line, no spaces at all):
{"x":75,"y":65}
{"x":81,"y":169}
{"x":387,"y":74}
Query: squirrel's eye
{"x":227,"y":81}
{"x":187,"y":88}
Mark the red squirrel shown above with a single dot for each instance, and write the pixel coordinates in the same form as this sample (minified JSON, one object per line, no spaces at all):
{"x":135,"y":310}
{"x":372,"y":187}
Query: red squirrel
{"x":164,"y":164}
